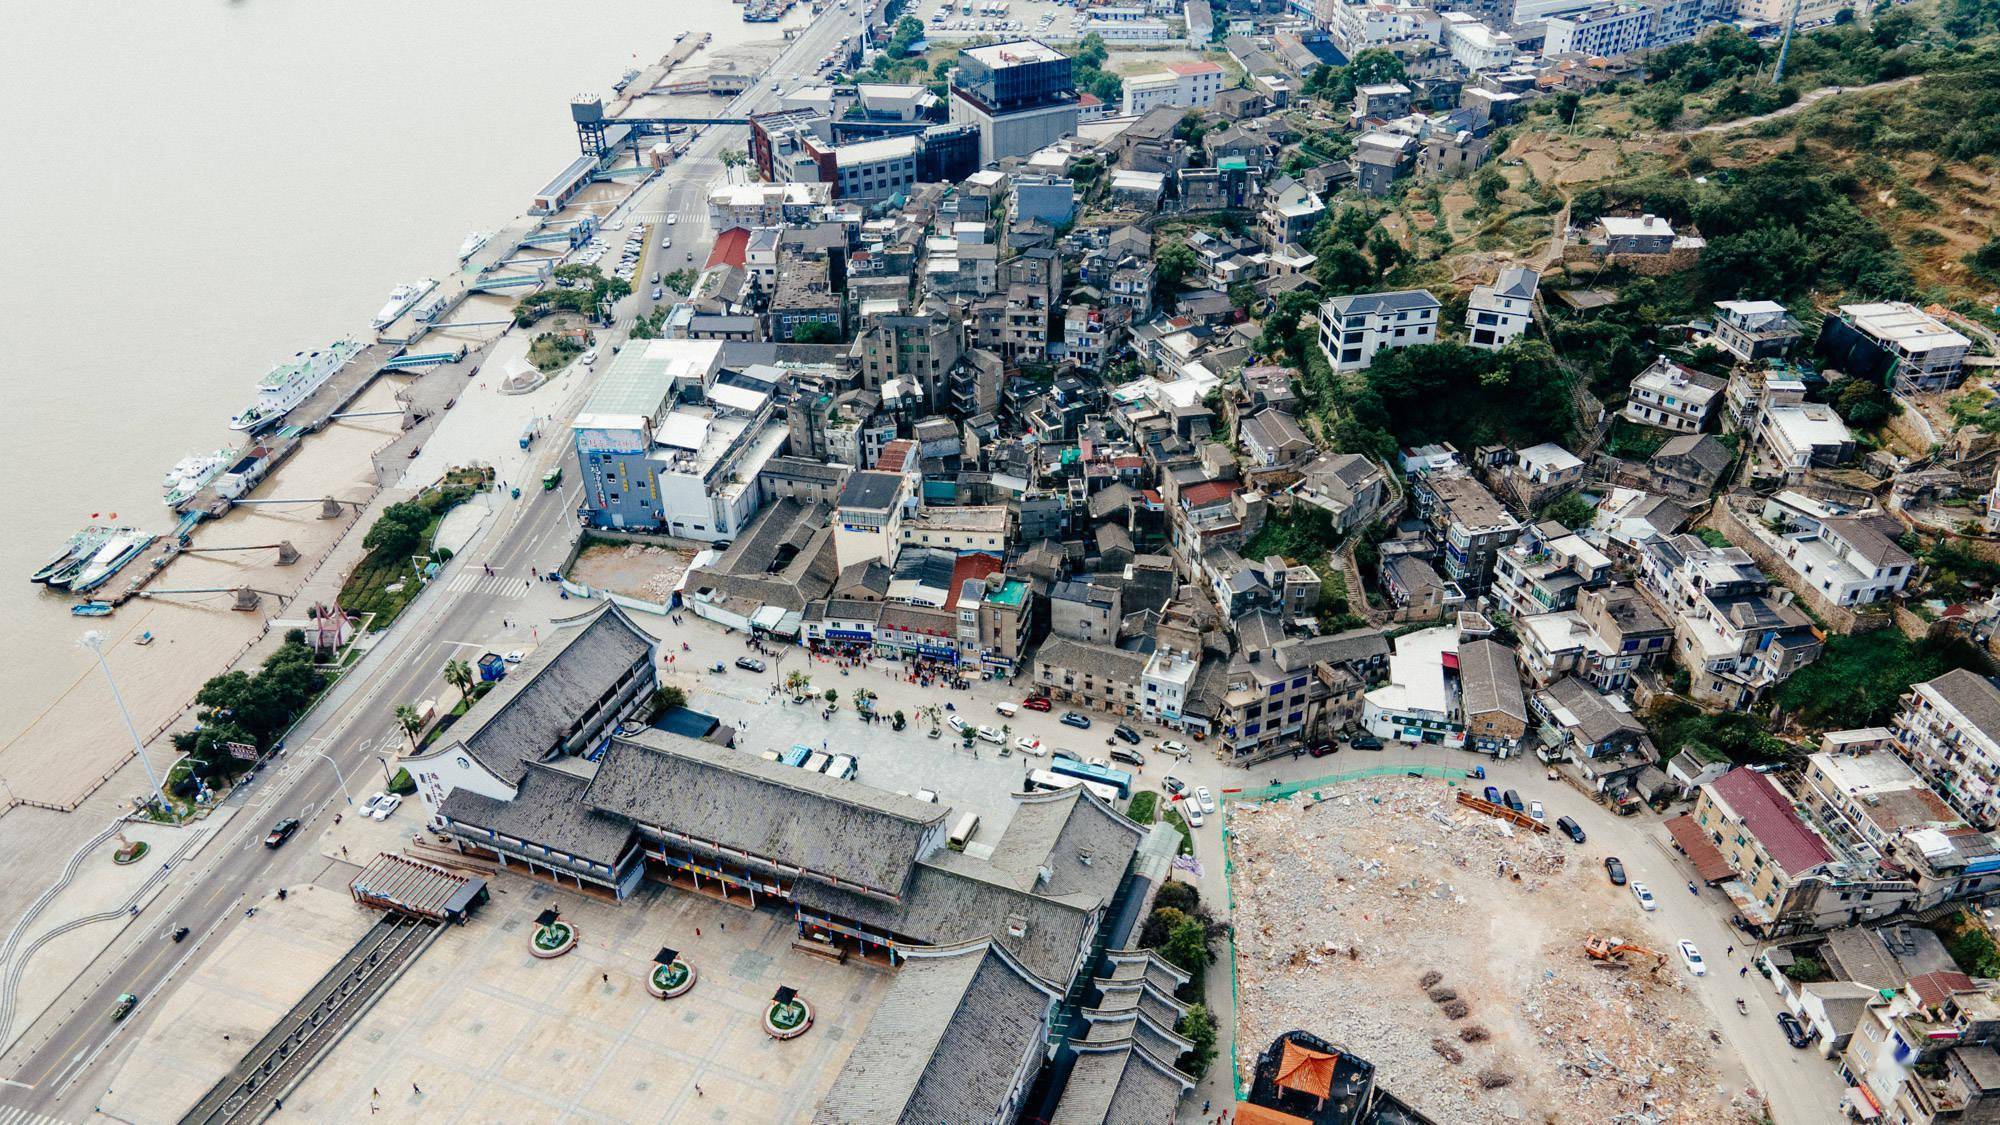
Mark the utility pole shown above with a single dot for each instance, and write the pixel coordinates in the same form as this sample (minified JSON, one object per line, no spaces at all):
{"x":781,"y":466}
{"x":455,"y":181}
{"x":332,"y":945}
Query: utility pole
{"x":1785,"y":43}
{"x":94,"y":641}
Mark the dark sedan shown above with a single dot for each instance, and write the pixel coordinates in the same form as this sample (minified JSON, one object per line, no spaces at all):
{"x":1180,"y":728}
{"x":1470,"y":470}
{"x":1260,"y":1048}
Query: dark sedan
{"x":1614,"y":869}
{"x":1795,"y":1032}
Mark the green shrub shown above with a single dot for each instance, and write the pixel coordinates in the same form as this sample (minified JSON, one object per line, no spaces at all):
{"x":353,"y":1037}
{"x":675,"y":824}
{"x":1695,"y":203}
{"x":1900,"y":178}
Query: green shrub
{"x":402,"y":783}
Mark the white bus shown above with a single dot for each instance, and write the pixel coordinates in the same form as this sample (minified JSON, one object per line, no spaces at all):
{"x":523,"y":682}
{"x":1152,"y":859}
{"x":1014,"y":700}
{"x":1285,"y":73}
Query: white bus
{"x":1048,"y":781}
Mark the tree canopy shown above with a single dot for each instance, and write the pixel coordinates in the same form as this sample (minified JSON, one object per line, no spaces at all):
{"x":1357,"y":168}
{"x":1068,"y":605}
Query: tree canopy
{"x":1464,"y":395}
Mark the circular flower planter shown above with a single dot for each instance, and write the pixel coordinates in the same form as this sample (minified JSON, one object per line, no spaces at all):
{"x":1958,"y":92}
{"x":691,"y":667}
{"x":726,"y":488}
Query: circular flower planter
{"x":669,"y":981}
{"x":788,"y":1021}
{"x":553,"y":940}
{"x":131,"y":853}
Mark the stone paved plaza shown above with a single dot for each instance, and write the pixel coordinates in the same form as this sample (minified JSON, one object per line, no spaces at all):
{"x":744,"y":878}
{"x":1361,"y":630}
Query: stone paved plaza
{"x":479,"y":1030}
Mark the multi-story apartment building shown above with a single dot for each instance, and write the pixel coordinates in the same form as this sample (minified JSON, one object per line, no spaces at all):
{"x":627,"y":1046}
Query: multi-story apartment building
{"x":1190,"y":85}
{"x":1476,"y":46}
{"x":1464,"y":522}
{"x":1949,"y":731}
{"x":1611,"y":634}
{"x":1357,"y":27}
{"x":1927,"y":1054}
{"x":1865,"y":799}
{"x":1352,"y":329}
{"x":1735,"y":639}
{"x":1894,"y":342}
{"x":996,"y":616}
{"x":1605,"y":32}
{"x":1168,"y":679}
{"x":920,"y":347}
{"x":1420,"y":703}
{"x":1097,"y":676}
{"x":1348,"y":486}
{"x":765,"y":204}
{"x":1543,"y":571}
{"x":1280,"y":692}
{"x":1499,"y":312}
{"x":1021,"y":95}
{"x":1848,"y":560}
{"x":1673,"y":397}
{"x":671,"y":441}
{"x":868,"y":520}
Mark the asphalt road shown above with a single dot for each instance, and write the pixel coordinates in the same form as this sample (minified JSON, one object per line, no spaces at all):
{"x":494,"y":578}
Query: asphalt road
{"x":64,"y":1062}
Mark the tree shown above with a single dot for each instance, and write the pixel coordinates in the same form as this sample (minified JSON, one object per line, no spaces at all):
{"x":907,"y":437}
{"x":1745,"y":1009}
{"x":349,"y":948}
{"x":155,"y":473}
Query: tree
{"x":832,"y":696}
{"x":1173,"y":263}
{"x":816,"y":332}
{"x":668,"y":697}
{"x":1243,"y":297}
{"x":908,"y":30}
{"x":1386,"y":252}
{"x":1860,"y":679}
{"x":797,"y":682}
{"x":1198,"y":1028}
{"x":1179,"y":895}
{"x":399,"y":530}
{"x":1186,"y":947}
{"x":1571,"y":511}
{"x":410,"y":721}
{"x":458,"y":674}
{"x":1368,"y":68}
{"x":731,"y":158}
{"x":1487,"y":188}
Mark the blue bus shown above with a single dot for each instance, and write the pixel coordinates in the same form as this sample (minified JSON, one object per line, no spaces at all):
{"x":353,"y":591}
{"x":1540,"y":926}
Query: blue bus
{"x":1102,"y":775}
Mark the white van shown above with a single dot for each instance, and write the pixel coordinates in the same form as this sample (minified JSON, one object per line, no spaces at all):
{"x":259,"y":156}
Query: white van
{"x":817,"y":762}
{"x":963,"y":832}
{"x":1008,"y":709}
{"x":843,"y":766}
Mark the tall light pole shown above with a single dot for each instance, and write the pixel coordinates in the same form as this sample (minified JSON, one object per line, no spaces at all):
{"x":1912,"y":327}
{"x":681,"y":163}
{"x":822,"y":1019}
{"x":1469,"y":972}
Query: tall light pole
{"x":1785,"y":44}
{"x":94,"y":641}
{"x":337,"y":775}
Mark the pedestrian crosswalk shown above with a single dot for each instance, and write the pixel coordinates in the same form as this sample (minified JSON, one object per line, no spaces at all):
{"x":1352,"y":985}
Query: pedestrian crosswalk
{"x":477,"y":581}
{"x":14,"y":1115}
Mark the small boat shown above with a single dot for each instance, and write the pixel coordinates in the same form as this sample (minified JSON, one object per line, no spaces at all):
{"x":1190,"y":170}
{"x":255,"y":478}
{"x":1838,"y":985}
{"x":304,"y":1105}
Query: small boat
{"x":400,"y":300}
{"x":191,"y":474}
{"x":91,"y":609}
{"x":472,"y":243}
{"x":144,"y":638}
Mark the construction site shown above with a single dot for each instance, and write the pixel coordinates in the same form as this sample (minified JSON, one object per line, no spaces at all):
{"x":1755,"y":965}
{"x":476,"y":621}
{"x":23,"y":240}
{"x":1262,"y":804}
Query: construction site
{"x":1484,"y":965}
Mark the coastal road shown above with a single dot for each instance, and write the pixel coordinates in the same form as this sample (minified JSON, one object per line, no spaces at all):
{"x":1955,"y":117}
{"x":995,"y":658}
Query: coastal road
{"x":65,"y":1061}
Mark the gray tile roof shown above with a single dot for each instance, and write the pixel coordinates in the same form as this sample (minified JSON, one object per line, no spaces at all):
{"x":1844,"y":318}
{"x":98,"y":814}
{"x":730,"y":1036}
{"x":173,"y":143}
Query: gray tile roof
{"x":530,"y":712}
{"x":947,"y":1044}
{"x":1704,"y":450}
{"x":1973,"y":696}
{"x":1082,"y":844}
{"x":826,"y":827}
{"x":1596,"y":720}
{"x":549,"y":810}
{"x":1119,"y":1084}
{"x":1488,"y":680}
{"x":1102,"y":661}
{"x":1398,"y":300}
{"x":869,"y":490}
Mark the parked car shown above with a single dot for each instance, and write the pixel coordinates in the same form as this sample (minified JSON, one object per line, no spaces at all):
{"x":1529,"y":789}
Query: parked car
{"x":989,"y":734}
{"x":1492,"y":795}
{"x":1174,"y":786}
{"x":749,"y":664}
{"x":1036,"y":703}
{"x":1513,"y":801}
{"x":1322,"y":749}
{"x":1126,"y":733}
{"x":1176,"y":749}
{"x":1644,"y":894}
{"x":1795,"y":1032}
{"x":281,"y":831}
{"x":1570,"y":828}
{"x":1075,"y":719}
{"x":1535,"y":811}
{"x":1029,"y":746}
{"x":1100,"y":763}
{"x":1191,"y":812}
{"x":1615,"y":870}
{"x":1203,"y":798}
{"x":1365,"y":742}
{"x":386,"y":807}
{"x":958,"y":724}
{"x":368,"y":806}
{"x":1067,"y":755}
{"x":1128,"y":757}
{"x":1691,"y":957}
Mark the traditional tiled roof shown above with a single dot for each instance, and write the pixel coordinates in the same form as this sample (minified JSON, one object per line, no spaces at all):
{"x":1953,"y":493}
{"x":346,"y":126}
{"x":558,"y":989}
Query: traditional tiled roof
{"x":1971,"y":695}
{"x":1768,"y":815}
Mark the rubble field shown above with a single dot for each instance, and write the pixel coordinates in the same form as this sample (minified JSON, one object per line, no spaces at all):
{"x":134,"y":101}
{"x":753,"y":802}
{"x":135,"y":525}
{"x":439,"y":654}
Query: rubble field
{"x":635,"y":570}
{"x":1446,"y":947}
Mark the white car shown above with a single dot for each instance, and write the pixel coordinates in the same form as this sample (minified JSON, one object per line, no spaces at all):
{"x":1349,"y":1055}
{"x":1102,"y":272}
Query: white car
{"x":1102,"y":763}
{"x":1174,"y":748}
{"x":1692,"y":957}
{"x":368,"y":806}
{"x":957,"y":724}
{"x":1030,"y":746}
{"x":1644,"y":894}
{"x":673,"y":217}
{"x":988,"y":734}
{"x":1203,"y":798}
{"x":1535,"y":810}
{"x":389,"y":803}
{"x":1191,"y":812}
{"x":516,"y":656}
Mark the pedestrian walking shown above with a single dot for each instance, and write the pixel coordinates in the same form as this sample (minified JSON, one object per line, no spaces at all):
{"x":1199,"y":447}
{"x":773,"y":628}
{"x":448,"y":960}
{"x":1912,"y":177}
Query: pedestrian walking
{"x":1744,"y":971}
{"x":697,"y":1091}
{"x":607,"y":978}
{"x":415,"y":1089}
{"x":1729,"y":952}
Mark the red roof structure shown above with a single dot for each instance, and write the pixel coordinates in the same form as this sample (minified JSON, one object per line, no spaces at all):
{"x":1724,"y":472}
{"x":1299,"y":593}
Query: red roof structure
{"x":895,"y":455}
{"x":1708,"y":860}
{"x":1933,"y":989}
{"x":967,"y":568}
{"x":731,"y":248}
{"x":1767,"y":813}
{"x":1306,"y":1070}
{"x":1207,"y":492}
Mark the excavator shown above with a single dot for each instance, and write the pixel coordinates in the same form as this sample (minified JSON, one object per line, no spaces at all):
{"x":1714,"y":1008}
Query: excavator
{"x":1610,"y":953}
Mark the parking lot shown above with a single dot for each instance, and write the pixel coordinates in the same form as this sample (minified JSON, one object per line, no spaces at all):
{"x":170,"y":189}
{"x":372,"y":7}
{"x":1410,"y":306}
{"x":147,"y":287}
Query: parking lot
{"x":951,"y":21}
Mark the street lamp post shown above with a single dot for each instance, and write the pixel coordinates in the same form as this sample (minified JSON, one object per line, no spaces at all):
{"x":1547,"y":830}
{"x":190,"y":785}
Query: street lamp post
{"x":94,"y":641}
{"x":337,"y":775}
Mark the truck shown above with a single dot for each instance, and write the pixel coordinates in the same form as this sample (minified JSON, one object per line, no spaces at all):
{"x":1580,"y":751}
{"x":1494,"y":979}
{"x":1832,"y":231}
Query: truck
{"x":796,"y":756}
{"x":528,"y":435}
{"x":492,"y":668}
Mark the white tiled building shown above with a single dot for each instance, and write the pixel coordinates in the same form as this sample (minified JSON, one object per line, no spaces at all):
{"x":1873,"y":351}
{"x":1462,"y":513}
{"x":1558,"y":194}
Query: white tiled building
{"x":1501,"y":311}
{"x":1353,"y":328}
{"x":1673,"y":397}
{"x":1949,"y":730}
{"x":1850,"y":560}
{"x":1191,"y":85}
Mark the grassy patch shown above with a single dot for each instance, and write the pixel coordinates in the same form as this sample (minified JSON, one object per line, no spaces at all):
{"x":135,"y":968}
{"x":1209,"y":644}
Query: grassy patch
{"x":1144,"y":808}
{"x":1630,"y":441}
{"x":1173,"y":817}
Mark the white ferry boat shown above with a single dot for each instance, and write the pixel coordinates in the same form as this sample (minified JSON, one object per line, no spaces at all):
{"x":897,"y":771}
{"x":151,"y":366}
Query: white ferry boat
{"x":290,"y":382}
{"x":472,"y":243}
{"x":191,"y":474}
{"x":123,"y":546}
{"x":400,"y":300}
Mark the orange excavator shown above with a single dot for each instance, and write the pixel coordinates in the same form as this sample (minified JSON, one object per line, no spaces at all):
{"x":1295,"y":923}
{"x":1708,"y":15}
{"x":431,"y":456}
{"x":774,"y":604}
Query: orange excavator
{"x":1610,"y":952}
